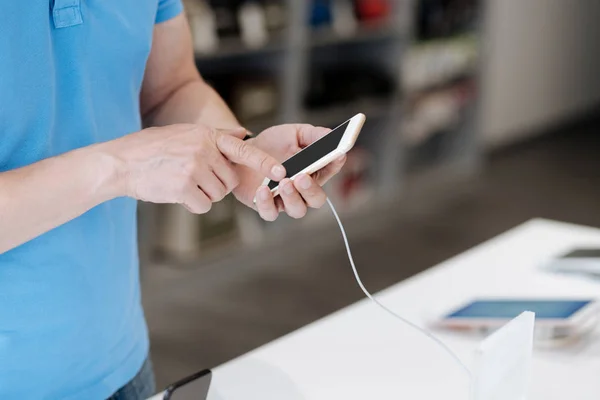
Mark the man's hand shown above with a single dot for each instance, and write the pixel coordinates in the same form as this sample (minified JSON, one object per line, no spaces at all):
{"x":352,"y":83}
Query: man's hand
{"x":187,"y":164}
{"x":295,"y":196}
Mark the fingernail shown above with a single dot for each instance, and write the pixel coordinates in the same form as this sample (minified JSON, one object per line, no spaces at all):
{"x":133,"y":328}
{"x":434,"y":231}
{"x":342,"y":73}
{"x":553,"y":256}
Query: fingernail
{"x":263,"y":193}
{"x":278,"y":171}
{"x":304,"y":181}
{"x":288,"y":188}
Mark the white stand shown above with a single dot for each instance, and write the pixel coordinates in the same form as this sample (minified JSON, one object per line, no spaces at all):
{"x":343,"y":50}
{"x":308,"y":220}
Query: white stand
{"x":503,"y":362}
{"x":502,"y":367}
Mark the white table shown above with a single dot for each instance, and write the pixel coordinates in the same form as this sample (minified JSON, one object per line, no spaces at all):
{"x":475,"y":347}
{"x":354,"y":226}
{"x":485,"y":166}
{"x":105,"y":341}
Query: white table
{"x":359,"y":352}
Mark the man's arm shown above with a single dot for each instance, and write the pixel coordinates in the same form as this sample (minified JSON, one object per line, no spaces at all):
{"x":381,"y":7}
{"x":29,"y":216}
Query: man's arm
{"x":185,"y":164}
{"x":44,"y":195}
{"x":173,"y":91}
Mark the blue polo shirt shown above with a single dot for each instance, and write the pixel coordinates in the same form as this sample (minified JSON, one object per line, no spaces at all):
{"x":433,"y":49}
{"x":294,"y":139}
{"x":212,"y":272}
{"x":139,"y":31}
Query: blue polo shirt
{"x":71,"y":321}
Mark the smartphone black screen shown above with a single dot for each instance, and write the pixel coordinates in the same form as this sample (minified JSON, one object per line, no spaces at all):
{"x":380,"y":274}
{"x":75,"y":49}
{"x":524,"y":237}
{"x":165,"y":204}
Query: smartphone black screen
{"x":194,"y":387}
{"x":583,"y":253}
{"x":313,"y":153}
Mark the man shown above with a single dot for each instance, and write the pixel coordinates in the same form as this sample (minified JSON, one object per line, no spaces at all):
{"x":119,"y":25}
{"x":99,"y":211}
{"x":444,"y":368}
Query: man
{"x":77,"y":81}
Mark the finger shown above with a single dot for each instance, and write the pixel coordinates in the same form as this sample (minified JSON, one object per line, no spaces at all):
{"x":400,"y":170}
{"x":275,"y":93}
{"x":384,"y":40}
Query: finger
{"x":329,"y":171}
{"x":240,"y":152}
{"x":314,"y":196}
{"x":239,"y":132}
{"x":226,"y":174}
{"x":294,"y":205}
{"x":196,"y":201}
{"x":279,"y":204}
{"x":265,"y":205}
{"x":307,"y":134}
{"x":211,"y":185}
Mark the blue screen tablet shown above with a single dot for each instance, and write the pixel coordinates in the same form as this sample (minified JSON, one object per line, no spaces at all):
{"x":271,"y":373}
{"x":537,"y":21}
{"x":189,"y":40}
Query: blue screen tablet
{"x":508,"y":309}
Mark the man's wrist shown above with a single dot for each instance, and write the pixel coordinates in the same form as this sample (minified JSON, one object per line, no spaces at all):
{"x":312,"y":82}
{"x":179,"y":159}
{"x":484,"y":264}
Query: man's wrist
{"x":108,"y":172}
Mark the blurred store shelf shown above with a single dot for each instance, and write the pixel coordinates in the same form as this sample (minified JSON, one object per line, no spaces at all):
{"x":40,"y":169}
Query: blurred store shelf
{"x":234,"y":47}
{"x":429,"y":65}
{"x":334,"y":115}
{"x":363,"y":33}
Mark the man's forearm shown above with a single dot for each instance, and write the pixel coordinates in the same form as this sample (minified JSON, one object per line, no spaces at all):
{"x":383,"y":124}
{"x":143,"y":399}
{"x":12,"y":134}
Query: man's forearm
{"x":173,"y":90}
{"x":194,"y":102}
{"x":39,"y":197}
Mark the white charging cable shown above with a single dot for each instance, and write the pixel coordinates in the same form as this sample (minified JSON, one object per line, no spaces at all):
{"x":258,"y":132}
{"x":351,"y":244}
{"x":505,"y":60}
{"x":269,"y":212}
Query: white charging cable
{"x":392,"y":313}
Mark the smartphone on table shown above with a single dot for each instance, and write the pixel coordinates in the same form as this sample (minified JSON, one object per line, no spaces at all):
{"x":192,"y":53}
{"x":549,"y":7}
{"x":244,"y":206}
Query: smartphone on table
{"x":584,"y":261}
{"x":193,"y":387}
{"x":321,"y":152}
{"x":553,"y":317}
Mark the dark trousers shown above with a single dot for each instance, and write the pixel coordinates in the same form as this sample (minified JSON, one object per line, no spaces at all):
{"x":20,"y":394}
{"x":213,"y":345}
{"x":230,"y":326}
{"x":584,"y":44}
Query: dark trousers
{"x":140,"y":387}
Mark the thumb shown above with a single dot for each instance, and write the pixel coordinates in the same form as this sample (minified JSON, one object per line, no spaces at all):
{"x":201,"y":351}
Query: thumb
{"x":239,"y":132}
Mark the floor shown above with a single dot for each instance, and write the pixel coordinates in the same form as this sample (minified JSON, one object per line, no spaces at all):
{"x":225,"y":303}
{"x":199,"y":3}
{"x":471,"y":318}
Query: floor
{"x":203,"y":317}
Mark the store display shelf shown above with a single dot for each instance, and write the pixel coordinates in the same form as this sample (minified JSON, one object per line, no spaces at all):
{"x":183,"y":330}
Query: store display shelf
{"x":364,"y":33}
{"x":332,"y":115}
{"x":235,"y":47}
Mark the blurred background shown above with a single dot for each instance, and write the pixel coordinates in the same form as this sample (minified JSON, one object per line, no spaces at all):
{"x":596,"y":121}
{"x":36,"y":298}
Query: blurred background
{"x":480,"y":116}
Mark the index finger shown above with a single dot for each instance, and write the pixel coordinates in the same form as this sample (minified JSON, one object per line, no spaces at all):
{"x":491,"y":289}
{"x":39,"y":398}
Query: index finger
{"x":240,"y":152}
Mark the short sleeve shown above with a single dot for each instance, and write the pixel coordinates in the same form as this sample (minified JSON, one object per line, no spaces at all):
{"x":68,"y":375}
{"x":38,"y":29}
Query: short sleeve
{"x":168,"y":9}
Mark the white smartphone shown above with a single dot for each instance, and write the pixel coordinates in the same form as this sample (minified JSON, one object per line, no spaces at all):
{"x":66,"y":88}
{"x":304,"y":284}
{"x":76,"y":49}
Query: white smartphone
{"x":581,"y":260}
{"x":322,"y":152}
{"x":552,"y":315}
